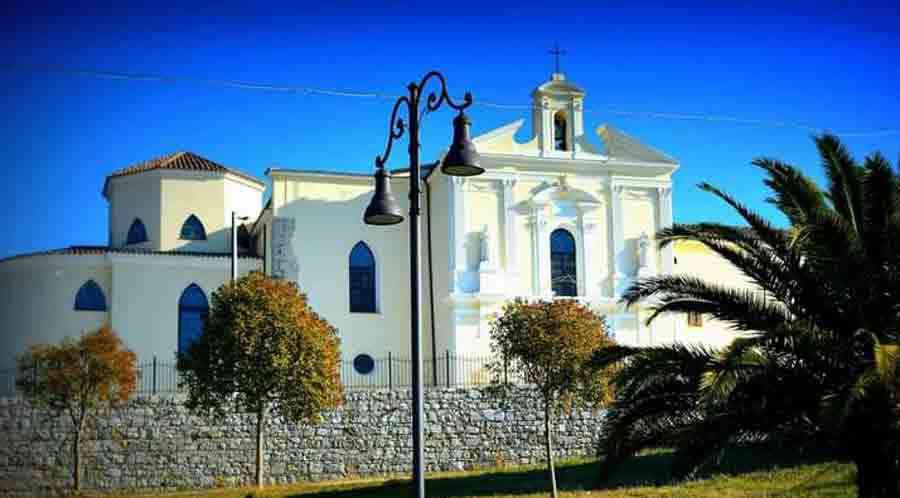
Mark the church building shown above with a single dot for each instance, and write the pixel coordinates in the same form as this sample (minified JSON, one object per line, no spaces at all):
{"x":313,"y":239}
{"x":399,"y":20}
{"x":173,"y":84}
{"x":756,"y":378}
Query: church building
{"x":552,"y":217}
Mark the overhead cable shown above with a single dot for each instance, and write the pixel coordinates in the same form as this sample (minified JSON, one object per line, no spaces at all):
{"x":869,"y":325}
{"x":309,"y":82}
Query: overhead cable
{"x":309,"y":90}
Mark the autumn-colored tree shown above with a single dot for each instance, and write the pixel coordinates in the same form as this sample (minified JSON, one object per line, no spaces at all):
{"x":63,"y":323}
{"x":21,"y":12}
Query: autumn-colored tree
{"x":80,"y":379}
{"x":550,"y":345}
{"x":263,"y":348}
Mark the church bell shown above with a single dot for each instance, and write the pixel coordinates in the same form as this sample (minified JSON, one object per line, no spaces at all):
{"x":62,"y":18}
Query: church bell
{"x":383,"y":209}
{"x":462,"y":159}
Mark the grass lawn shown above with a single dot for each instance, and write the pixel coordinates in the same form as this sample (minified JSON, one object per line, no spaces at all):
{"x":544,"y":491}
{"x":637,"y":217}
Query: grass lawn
{"x":745,"y":473}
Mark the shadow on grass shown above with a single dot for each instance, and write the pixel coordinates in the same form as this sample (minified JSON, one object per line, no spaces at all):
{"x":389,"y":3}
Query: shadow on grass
{"x":648,"y":469}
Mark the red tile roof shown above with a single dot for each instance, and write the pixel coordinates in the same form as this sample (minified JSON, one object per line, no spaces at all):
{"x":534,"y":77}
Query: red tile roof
{"x":102,"y":250}
{"x":186,"y":161}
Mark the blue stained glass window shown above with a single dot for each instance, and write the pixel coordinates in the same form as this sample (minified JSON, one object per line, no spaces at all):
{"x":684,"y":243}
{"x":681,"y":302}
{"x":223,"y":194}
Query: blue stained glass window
{"x":192,"y":310}
{"x":90,"y":297}
{"x":563,"y":276}
{"x":192,"y":229}
{"x":362,"y":279}
{"x":137,"y":233}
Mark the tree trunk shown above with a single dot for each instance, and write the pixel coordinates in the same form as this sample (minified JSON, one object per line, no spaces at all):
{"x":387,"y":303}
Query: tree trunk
{"x":260,"y":435}
{"x":877,"y":475}
{"x":76,"y":457}
{"x":549,"y":450}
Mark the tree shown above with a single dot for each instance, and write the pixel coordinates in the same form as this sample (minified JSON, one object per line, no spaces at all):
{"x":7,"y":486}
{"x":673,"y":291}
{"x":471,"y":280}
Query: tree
{"x":263,"y":348}
{"x":817,"y":360}
{"x":550,"y":345}
{"x":80,"y":379}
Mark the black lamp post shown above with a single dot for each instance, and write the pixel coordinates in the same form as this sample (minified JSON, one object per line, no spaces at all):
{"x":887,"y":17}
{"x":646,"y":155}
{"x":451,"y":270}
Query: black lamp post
{"x":461,"y":160}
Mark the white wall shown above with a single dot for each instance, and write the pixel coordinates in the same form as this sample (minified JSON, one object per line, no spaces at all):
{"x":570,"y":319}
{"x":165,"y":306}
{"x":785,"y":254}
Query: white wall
{"x":440,"y":186}
{"x":164,"y":199}
{"x":37,"y":301}
{"x":37,"y":298}
{"x":200,"y":194}
{"x":695,"y":259}
{"x":242,"y":197}
{"x":135,"y":196}
{"x":328,"y":212}
{"x":583,"y":205}
{"x":146,"y":291}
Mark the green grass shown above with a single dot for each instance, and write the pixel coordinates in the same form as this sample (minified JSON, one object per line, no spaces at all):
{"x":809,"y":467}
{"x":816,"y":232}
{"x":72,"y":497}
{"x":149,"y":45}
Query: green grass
{"x":743,"y":474}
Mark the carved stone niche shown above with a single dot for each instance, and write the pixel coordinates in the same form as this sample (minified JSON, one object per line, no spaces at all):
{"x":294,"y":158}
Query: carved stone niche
{"x":644,"y":255}
{"x":490,"y":279}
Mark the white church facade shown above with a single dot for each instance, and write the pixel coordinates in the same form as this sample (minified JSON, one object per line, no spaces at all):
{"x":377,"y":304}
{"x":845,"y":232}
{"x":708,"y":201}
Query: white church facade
{"x":552,"y":217}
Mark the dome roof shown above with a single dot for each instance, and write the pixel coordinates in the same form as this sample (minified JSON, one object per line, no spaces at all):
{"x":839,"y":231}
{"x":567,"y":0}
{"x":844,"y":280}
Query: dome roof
{"x":558,"y":86}
{"x":186,"y":161}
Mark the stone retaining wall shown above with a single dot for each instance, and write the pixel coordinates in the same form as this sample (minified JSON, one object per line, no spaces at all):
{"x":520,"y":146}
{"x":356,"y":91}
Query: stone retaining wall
{"x":156,"y":444}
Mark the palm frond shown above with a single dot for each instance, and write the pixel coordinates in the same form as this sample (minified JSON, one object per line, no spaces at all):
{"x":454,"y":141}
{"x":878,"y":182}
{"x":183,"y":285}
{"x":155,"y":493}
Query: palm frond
{"x":844,"y":186}
{"x":887,"y":358}
{"x":880,"y":187}
{"x":736,"y":364}
{"x":781,"y":274}
{"x":650,"y":419}
{"x":773,"y":237}
{"x":654,"y":366}
{"x":794,"y":193}
{"x":741,"y":308}
{"x":823,"y":349}
{"x":613,"y":355}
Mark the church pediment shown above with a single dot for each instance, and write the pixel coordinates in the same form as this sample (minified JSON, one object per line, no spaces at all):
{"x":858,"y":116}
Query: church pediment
{"x":623,"y":147}
{"x":500,"y":140}
{"x":558,"y":133}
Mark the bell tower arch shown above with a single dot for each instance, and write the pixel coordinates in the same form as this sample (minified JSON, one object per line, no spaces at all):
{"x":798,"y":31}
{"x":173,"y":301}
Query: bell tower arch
{"x":558,"y":117}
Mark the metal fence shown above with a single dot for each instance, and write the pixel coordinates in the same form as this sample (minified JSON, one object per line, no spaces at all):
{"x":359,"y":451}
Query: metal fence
{"x":390,"y":372}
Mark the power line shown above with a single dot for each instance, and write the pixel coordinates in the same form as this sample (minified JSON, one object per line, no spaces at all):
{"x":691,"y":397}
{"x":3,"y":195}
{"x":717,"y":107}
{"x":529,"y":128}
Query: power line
{"x":246,"y":85}
{"x":308,"y":90}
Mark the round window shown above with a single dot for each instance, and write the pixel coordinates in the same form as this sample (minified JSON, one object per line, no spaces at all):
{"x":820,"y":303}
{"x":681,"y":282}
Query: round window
{"x":363,"y":364}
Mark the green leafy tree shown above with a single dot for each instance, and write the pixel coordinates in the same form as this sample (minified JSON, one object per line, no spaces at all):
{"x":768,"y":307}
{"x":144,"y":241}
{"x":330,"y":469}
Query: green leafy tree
{"x":79,"y":379}
{"x":263,"y":349}
{"x":550,"y":344}
{"x":817,"y":359}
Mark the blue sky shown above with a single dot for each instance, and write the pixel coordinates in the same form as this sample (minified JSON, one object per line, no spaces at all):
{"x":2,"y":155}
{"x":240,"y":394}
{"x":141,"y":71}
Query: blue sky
{"x":832,"y":66}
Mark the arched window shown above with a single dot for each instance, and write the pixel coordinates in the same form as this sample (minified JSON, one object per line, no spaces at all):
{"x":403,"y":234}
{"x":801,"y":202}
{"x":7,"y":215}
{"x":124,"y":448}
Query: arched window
{"x":192,"y":229}
{"x":560,"y":132}
{"x":192,"y":310}
{"x":137,"y":233}
{"x":90,"y":297}
{"x":564,"y":280}
{"x":362,"y":279}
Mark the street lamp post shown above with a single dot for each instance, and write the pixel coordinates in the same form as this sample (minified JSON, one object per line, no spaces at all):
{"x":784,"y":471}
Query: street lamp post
{"x":234,"y":244}
{"x":461,"y":160}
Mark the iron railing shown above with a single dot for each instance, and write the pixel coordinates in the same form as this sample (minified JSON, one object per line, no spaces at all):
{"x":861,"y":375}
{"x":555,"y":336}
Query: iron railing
{"x":390,"y":372}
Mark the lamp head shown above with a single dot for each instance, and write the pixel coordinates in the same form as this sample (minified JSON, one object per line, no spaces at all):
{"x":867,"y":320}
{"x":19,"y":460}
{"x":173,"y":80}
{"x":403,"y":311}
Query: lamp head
{"x":383,"y":208}
{"x":462,"y":159}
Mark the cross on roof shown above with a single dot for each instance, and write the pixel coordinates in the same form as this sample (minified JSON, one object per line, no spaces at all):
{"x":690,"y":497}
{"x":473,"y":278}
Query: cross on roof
{"x":556,"y":52}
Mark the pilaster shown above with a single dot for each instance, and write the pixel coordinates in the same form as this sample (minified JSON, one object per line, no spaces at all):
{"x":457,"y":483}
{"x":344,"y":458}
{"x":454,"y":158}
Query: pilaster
{"x":617,"y":234}
{"x":546,"y":141}
{"x":458,"y":233}
{"x":510,"y":259}
{"x":664,"y":203}
{"x":590,"y":230}
{"x":540,"y":243}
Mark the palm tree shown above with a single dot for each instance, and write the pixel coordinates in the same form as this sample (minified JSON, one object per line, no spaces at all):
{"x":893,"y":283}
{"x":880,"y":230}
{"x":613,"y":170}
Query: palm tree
{"x":817,"y":356}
